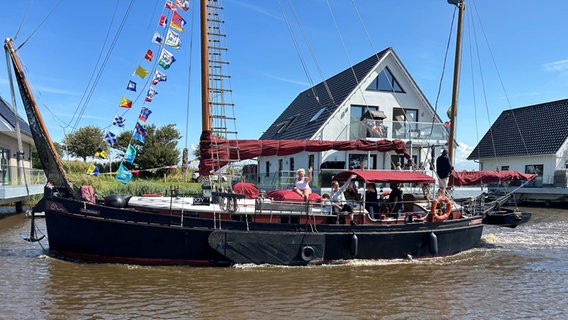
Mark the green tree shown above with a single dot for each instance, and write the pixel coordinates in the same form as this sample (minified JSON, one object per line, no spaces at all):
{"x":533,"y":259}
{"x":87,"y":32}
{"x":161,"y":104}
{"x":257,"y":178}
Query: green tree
{"x":84,"y":142}
{"x":159,"y":148}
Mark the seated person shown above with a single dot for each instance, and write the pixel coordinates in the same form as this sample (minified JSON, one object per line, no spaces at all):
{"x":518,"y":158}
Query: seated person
{"x":351,"y":194}
{"x":326,"y":203}
{"x":301,"y":183}
{"x":338,"y":198}
{"x":371,"y":199}
{"x":395,"y":199}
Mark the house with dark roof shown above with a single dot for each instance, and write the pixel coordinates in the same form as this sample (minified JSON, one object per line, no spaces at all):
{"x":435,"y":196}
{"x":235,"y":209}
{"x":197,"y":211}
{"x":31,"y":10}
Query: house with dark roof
{"x":373,"y":99}
{"x":12,"y":187}
{"x":531,"y":139}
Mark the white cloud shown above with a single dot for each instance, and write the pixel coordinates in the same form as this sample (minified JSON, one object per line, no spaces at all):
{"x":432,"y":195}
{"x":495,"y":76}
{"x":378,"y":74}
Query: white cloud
{"x":461,"y":163}
{"x":556,"y":66}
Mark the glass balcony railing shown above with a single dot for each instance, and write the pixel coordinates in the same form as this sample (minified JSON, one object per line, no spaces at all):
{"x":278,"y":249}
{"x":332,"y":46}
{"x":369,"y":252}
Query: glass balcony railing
{"x":398,"y":130}
{"x":12,"y":176}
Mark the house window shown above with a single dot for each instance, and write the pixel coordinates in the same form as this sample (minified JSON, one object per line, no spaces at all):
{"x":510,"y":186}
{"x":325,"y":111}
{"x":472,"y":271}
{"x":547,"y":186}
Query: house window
{"x":358,"y":129}
{"x":4,"y":169}
{"x":357,"y":161}
{"x":385,"y":81}
{"x":537,"y":169}
{"x":503,"y":168}
{"x":291,"y":164}
{"x":267,"y":172}
{"x":311,"y":161}
{"x":283,"y":126}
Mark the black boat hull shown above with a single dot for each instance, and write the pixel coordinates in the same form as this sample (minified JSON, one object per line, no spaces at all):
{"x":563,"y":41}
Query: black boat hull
{"x":104,"y":234}
{"x":509,"y":218}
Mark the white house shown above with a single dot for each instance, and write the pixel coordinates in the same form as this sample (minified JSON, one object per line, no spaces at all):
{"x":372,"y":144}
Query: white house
{"x":374,"y":99}
{"x":531,"y":139}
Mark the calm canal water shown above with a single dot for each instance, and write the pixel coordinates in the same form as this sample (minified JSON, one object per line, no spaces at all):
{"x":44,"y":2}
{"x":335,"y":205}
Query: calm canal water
{"x":514,"y":274}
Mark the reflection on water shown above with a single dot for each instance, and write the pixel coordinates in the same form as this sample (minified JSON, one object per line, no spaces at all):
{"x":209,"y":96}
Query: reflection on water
{"x":512,"y":274}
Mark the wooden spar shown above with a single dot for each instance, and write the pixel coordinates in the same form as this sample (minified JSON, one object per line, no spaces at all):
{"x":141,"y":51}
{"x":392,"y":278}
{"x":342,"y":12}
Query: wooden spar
{"x":455,"y":90}
{"x":205,"y":123}
{"x":36,"y":121}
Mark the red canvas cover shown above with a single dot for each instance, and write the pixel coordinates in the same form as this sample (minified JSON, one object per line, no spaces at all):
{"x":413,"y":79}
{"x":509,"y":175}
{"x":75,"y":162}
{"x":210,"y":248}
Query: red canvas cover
{"x":291,"y":196}
{"x":248,"y":189}
{"x":386,"y":176}
{"x":477,"y":177}
{"x":214,"y":158}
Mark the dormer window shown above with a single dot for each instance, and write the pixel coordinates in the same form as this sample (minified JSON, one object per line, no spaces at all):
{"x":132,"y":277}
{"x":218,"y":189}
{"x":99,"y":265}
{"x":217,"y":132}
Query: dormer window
{"x":385,"y":81}
{"x":286,"y":124}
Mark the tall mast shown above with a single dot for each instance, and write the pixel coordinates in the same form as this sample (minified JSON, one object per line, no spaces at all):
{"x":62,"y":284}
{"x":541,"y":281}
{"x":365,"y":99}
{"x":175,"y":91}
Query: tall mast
{"x":455,"y":90}
{"x":205,"y":123}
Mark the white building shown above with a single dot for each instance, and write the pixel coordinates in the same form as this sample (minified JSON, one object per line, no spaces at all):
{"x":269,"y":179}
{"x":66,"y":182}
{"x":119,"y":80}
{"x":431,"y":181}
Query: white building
{"x":374,"y":99}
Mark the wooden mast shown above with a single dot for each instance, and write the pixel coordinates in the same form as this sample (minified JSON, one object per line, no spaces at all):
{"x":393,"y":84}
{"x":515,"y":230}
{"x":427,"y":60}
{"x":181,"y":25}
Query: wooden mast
{"x":205,"y":123}
{"x":455,"y":90}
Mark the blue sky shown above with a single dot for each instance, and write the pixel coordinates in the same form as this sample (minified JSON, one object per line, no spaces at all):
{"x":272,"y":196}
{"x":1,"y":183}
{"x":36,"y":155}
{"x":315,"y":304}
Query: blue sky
{"x":521,"y":44}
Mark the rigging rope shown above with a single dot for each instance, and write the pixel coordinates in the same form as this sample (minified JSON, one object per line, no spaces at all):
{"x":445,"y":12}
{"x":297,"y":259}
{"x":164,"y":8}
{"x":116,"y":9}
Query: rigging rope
{"x":298,"y":51}
{"x":37,"y":28}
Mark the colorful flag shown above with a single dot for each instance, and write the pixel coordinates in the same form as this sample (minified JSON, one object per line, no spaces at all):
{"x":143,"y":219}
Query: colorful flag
{"x":177,"y":22}
{"x":148,"y":55}
{"x":150,"y":95}
{"x":140,"y":133}
{"x":158,"y":76}
{"x":125,"y":103}
{"x":141,"y":72}
{"x":173,"y":39}
{"x":183,"y":4}
{"x":144,"y":114}
{"x":101,"y":153}
{"x":131,"y":86}
{"x":93,"y":170}
{"x":123,"y":174}
{"x":157,"y":39}
{"x":118,"y":121}
{"x":163,"y":21}
{"x":166,"y":59}
{"x":130,"y":154}
{"x":110,"y":138}
{"x":170,"y":4}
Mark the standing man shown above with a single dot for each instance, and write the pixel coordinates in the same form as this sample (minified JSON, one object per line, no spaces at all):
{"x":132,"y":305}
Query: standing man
{"x":443,"y":170}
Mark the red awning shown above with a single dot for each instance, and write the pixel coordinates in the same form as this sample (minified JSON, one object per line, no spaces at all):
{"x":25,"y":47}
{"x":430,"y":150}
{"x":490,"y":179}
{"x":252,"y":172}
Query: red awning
{"x":477,"y":177}
{"x":386,"y":176}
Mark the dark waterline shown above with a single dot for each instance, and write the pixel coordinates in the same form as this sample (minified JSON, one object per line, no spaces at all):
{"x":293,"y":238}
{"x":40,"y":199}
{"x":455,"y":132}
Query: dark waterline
{"x":513,"y":274}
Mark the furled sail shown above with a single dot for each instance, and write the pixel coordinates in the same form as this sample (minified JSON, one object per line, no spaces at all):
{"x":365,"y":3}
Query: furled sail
{"x":217,"y":152}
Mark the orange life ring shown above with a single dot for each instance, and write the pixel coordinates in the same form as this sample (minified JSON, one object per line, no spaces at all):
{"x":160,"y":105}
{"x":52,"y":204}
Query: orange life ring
{"x":441,"y":217}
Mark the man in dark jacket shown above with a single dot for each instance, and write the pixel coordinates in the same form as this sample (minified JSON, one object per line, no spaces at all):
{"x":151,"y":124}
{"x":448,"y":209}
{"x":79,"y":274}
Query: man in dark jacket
{"x":443,"y":170}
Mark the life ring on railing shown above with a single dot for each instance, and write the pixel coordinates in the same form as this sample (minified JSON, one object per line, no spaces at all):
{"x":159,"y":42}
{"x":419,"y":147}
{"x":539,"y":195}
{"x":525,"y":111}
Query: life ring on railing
{"x":308,"y":253}
{"x":434,"y":212}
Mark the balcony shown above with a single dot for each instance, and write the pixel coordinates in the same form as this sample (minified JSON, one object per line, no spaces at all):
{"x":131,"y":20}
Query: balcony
{"x":12,"y":185}
{"x":381,"y":129}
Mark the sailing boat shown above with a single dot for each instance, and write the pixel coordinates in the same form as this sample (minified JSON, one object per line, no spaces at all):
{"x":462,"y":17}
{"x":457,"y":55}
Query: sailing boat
{"x":221,"y":228}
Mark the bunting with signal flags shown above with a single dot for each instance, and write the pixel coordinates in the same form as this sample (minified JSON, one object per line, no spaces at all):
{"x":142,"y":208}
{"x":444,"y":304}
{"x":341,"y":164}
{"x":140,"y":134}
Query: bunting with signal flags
{"x":93,"y":170}
{"x":144,"y":114}
{"x":141,"y":72}
{"x":110,"y":138}
{"x":177,"y":21}
{"x":167,"y":34}
{"x":125,"y":103}
{"x":183,"y":4}
{"x":101,"y":154}
{"x":123,"y":174}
